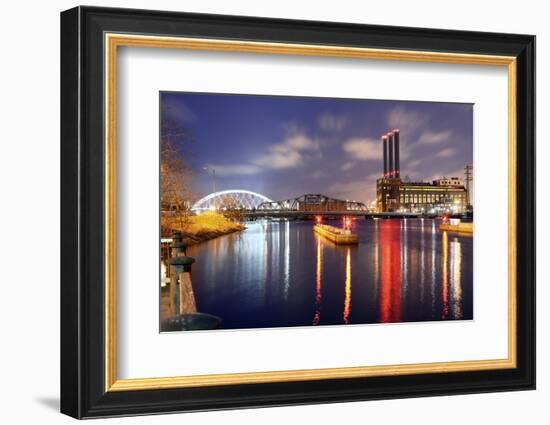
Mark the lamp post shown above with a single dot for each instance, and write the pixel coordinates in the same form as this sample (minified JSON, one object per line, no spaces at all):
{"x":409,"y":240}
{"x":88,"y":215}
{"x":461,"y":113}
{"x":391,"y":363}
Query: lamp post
{"x":213,"y":182}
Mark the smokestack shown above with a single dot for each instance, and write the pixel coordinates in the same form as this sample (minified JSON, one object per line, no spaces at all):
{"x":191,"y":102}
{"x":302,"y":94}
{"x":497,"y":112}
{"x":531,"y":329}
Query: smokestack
{"x":385,"y":150}
{"x":396,"y":152}
{"x":391,"y":169}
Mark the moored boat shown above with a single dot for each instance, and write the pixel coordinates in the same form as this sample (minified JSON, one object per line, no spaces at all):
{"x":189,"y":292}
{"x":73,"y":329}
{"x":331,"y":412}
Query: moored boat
{"x":337,"y":235}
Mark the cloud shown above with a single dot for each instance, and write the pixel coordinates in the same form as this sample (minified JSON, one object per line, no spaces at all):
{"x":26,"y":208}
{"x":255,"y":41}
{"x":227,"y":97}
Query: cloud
{"x":174,"y":108}
{"x":429,"y":137}
{"x":291,"y":152}
{"x":408,"y":122}
{"x":295,"y":142}
{"x":363,"y":148}
{"x":414,"y":163}
{"x":288,"y":153}
{"x":279,"y":160}
{"x":412,"y":123}
{"x":346,"y":166}
{"x":446,"y":153}
{"x":235,"y":170}
{"x":318,"y":174}
{"x":358,"y":190}
{"x":331,"y":122}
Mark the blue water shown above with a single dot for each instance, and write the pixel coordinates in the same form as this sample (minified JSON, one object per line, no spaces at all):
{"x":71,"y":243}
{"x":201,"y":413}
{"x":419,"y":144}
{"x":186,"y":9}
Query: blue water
{"x":281,"y":273}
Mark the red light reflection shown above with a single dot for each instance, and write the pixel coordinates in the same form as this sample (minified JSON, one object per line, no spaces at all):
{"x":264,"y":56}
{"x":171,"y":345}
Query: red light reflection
{"x":390,"y":275}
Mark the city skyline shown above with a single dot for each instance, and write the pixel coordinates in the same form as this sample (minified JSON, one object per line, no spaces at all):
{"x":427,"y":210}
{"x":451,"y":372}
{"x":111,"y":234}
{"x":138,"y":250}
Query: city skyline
{"x":284,"y":147}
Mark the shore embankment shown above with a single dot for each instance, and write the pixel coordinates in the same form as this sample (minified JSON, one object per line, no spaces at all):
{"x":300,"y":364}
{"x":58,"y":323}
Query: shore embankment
{"x":199,"y":228}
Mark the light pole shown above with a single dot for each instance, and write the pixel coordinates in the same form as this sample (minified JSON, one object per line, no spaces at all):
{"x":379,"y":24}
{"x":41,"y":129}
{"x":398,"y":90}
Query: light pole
{"x":213,"y":182}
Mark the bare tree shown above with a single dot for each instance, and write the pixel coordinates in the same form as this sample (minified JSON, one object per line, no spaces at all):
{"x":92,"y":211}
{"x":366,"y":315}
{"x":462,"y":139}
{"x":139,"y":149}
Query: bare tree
{"x":175,"y":174}
{"x":230,"y":209}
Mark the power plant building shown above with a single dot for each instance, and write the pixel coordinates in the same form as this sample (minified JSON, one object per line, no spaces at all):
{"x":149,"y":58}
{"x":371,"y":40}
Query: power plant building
{"x":395,"y":194}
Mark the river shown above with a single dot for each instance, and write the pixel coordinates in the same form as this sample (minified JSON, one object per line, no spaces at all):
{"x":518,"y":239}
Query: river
{"x":281,"y":273}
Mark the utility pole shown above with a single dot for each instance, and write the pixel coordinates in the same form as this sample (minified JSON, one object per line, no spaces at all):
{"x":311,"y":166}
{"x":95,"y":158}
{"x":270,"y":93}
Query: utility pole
{"x":213,"y":180}
{"x":214,"y":186}
{"x":468,"y":174}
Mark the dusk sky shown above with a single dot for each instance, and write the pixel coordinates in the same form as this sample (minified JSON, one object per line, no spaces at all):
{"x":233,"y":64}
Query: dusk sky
{"x":284,"y":147}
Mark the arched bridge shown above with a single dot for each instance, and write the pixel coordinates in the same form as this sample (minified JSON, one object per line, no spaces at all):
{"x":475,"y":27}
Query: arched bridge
{"x":235,"y":199}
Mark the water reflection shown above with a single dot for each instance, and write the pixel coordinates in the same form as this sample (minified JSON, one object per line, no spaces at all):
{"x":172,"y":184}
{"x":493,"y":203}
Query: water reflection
{"x":456,"y":285}
{"x":390,"y":287}
{"x":432,"y":267}
{"x":318,"y":278}
{"x":445,"y":276}
{"x":376,"y":262}
{"x":422,"y":263}
{"x":404,"y":257}
{"x":282,"y":274}
{"x":347,"y":299}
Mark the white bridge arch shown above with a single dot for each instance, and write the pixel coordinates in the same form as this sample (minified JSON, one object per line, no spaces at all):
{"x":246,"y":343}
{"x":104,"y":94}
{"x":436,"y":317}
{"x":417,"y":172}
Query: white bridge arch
{"x":236,"y":198}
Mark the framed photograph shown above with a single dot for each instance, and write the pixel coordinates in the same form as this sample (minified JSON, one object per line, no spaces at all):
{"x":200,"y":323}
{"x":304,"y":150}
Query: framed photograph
{"x":261,"y":212}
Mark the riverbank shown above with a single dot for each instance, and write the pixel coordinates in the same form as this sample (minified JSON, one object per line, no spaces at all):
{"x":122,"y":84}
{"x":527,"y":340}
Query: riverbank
{"x":200,"y":228}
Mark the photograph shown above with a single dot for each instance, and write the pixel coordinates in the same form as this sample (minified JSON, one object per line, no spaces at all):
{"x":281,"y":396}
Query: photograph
{"x":289,"y":211}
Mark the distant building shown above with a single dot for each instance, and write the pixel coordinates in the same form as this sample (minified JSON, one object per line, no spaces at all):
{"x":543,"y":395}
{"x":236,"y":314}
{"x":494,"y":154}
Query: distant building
{"x":395,"y":194}
{"x":435,"y":197}
{"x":453,"y":181}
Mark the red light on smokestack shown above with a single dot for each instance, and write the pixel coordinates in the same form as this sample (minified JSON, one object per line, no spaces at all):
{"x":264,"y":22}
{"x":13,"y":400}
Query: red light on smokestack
{"x":391,"y":156}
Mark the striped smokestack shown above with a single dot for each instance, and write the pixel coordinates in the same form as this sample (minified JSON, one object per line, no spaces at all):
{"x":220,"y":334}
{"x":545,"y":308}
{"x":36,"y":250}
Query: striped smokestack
{"x":396,"y":153}
{"x":385,"y":150}
{"x":391,"y":169}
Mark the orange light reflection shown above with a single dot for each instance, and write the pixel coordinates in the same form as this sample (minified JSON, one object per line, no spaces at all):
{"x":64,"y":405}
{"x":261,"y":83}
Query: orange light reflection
{"x":445,"y":276}
{"x":347,"y":300}
{"x":318,"y":276}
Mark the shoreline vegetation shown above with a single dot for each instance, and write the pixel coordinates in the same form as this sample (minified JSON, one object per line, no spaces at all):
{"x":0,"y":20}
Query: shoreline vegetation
{"x":200,"y":228}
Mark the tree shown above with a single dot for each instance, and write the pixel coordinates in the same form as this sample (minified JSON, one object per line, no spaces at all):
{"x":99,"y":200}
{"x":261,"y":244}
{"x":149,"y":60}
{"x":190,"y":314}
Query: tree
{"x":230,"y":209}
{"x":175,"y":174}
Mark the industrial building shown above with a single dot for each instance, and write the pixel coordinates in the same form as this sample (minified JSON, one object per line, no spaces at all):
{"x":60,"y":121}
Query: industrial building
{"x":394,"y":194}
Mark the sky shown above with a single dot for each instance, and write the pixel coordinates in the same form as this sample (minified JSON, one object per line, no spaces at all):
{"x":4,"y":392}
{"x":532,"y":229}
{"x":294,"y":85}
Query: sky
{"x":284,"y":147}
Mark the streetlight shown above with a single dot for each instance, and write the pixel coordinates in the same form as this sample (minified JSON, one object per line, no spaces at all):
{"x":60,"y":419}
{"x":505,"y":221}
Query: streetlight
{"x":213,"y":181}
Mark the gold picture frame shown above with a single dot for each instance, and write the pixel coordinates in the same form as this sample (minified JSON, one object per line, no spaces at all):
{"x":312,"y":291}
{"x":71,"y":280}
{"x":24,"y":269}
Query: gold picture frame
{"x":114,"y":41}
{"x":91,"y":40}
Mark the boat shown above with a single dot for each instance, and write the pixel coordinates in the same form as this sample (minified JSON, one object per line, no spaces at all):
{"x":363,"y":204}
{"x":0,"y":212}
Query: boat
{"x":337,"y":235}
{"x":456,"y":226}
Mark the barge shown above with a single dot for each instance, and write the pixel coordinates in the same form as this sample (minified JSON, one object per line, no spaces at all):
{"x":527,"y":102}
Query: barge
{"x":335,"y":234}
{"x":466,"y":228}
